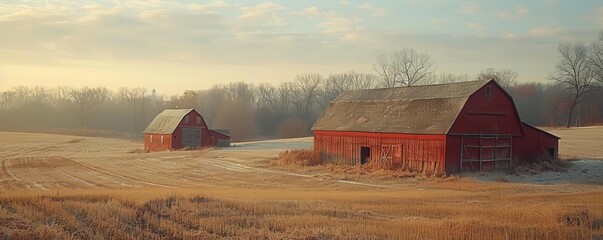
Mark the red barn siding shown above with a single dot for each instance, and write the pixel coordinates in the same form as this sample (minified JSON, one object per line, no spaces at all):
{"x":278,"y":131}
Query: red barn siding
{"x":422,"y":153}
{"x":534,"y":144}
{"x":156,"y":144}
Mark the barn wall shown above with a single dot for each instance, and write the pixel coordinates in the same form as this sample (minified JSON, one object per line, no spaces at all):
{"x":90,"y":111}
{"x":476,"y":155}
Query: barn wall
{"x":488,"y":114}
{"x":206,"y":140}
{"x":533,"y":144}
{"x":422,"y":153}
{"x":219,"y":139}
{"x":157,"y":145}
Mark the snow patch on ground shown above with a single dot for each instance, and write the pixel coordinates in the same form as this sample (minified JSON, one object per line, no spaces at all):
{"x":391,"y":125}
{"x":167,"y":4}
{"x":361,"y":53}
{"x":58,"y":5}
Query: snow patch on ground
{"x":581,"y":171}
{"x":279,"y":144}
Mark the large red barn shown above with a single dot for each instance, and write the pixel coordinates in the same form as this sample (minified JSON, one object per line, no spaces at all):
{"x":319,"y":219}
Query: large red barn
{"x":435,"y":129}
{"x":180,"y":128}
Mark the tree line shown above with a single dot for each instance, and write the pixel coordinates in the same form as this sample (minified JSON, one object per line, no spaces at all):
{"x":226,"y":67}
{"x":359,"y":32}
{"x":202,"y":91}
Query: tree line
{"x":573,"y":97}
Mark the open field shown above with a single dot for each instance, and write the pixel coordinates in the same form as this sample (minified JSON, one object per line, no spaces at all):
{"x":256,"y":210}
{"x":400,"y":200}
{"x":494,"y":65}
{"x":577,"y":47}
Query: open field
{"x":56,"y":186}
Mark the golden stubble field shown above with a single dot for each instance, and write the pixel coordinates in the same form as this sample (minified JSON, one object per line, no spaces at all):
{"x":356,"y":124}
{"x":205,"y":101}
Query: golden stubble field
{"x":66,"y":187}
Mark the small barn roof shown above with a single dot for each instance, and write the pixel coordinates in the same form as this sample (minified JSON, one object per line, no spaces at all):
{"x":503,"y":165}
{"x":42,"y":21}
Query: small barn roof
{"x":427,"y":109}
{"x":538,"y":129}
{"x":167,"y":121}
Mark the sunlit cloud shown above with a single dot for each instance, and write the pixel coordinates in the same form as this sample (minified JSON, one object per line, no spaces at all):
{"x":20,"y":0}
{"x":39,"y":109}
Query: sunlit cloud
{"x":210,"y":6}
{"x":309,"y":11}
{"x":264,"y":13}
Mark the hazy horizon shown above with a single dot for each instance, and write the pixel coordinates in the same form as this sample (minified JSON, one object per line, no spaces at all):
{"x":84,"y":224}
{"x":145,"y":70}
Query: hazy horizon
{"x":179,"y":45}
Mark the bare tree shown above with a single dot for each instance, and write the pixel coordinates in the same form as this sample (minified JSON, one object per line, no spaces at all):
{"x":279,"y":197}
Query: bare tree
{"x":336,"y":84}
{"x":384,"y":68}
{"x":267,"y":96}
{"x":241,"y":91}
{"x":136,"y":97}
{"x":552,"y":101}
{"x":595,"y":58}
{"x":506,"y":77}
{"x":574,"y":73}
{"x":306,"y":88}
{"x":8,"y":100}
{"x":405,"y":67}
{"x":85,"y":99}
{"x":61,"y":94}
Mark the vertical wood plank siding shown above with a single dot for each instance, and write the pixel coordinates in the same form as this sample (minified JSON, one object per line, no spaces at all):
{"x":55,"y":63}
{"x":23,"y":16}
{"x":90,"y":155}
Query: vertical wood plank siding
{"x":415,"y":152}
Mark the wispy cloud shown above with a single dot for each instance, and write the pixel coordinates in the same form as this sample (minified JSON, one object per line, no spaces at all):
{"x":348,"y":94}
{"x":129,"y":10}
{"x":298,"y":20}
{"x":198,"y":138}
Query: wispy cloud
{"x":336,"y":23}
{"x":210,"y":6}
{"x":517,"y":14}
{"x":474,"y":26}
{"x":555,"y":32}
{"x":309,"y":11}
{"x":469,"y":8}
{"x":375,"y":11}
{"x":264,"y":13}
{"x":598,"y":16}
{"x":437,"y":22}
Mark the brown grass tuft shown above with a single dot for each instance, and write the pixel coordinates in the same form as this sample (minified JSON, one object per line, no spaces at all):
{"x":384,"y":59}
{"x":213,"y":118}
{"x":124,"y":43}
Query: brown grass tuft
{"x":137,"y":151}
{"x":303,"y":157}
{"x":76,"y":140}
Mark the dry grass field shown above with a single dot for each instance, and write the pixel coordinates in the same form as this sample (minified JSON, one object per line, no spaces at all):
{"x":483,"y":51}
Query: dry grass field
{"x":65,"y":187}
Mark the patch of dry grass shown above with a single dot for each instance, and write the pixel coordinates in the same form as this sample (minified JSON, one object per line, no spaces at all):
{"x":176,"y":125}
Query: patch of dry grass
{"x":303,"y":157}
{"x":307,"y":215}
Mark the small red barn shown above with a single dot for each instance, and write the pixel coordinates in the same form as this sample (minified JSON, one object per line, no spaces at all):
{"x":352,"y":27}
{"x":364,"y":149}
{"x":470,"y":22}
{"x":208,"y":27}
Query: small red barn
{"x":436,"y":129}
{"x":180,"y":128}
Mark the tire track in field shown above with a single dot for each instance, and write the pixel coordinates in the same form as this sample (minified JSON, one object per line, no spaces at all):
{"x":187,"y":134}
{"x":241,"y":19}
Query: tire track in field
{"x":107,"y":172}
{"x":8,"y":171}
{"x":76,"y":178}
{"x":248,"y":169}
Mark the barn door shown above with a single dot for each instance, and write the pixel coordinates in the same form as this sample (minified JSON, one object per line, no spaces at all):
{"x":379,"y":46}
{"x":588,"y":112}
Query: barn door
{"x":365,"y":155}
{"x":191,"y":137}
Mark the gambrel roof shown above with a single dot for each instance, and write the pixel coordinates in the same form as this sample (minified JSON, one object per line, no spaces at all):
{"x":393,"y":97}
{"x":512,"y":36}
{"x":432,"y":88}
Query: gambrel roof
{"x":427,"y":109}
{"x":167,"y":121}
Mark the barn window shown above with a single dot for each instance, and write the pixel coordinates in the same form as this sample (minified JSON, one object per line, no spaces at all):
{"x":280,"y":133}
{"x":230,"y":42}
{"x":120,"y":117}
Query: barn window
{"x":151,"y":138}
{"x":488,"y":91}
{"x":198,"y":120}
{"x":186,"y":119}
{"x":161,"y":139}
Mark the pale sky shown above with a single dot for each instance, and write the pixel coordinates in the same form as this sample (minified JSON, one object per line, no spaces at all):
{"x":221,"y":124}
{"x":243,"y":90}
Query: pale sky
{"x":177,"y":45}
